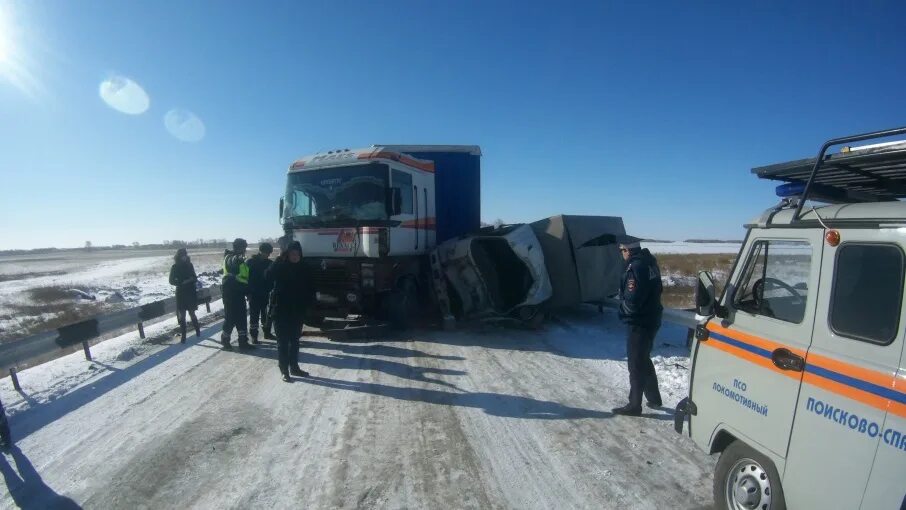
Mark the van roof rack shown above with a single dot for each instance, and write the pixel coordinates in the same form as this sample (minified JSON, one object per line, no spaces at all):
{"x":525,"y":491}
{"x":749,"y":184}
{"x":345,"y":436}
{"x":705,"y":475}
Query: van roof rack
{"x":856,"y":174}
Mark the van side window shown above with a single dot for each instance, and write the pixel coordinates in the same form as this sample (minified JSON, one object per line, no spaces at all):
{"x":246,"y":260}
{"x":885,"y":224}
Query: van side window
{"x":867,"y":292}
{"x":403,"y":181}
{"x":775,"y":281}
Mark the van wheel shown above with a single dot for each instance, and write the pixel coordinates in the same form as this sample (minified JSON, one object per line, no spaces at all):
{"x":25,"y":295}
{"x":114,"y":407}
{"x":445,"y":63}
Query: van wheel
{"x":746,"y":480}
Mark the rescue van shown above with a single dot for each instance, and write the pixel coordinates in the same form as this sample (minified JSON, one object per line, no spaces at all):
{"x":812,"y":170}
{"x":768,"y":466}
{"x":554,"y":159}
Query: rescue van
{"x":798,"y":377}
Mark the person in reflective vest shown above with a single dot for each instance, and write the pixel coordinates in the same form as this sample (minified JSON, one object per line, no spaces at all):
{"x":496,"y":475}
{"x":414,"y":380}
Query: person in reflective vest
{"x":235,"y":288}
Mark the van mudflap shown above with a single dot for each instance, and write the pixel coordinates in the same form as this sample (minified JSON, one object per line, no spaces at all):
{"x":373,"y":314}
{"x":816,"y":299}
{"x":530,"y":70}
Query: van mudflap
{"x":684,"y":411}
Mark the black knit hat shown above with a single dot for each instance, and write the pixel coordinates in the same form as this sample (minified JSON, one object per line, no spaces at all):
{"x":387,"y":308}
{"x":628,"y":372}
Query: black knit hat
{"x":240,"y":244}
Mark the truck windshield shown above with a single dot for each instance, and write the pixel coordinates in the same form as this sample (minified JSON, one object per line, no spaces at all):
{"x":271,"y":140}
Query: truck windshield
{"x":337,"y":196}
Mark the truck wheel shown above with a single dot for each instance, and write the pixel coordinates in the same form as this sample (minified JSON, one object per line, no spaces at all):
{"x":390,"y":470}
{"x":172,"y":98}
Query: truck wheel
{"x":746,"y":480}
{"x":403,"y":304}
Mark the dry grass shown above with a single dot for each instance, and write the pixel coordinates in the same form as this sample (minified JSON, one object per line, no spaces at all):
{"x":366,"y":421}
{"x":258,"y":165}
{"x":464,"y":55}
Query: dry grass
{"x":691,"y":264}
{"x":683,"y":269}
{"x":25,"y":276}
{"x":37,"y":318}
{"x":49,"y":308}
{"x":54,"y":293}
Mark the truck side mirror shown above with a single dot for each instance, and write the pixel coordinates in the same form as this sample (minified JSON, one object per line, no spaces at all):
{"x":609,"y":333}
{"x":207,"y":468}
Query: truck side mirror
{"x":705,"y":295}
{"x":281,"y":208}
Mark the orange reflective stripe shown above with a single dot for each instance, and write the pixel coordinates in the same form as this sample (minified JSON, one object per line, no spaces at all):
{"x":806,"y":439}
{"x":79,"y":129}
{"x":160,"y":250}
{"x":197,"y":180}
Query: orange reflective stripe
{"x":893,"y":382}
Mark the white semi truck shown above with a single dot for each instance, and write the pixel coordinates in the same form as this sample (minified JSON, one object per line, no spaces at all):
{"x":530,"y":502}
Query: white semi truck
{"x":367,"y":219}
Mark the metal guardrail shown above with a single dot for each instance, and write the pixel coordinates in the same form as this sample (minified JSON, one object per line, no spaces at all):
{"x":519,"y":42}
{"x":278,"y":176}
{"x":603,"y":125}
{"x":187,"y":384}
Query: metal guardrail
{"x":18,"y":352}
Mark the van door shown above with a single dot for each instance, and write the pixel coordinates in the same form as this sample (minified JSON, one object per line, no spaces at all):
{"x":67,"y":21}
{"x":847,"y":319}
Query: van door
{"x":887,"y":483}
{"x":403,"y":239}
{"x":849,"y":395}
{"x":748,"y":371}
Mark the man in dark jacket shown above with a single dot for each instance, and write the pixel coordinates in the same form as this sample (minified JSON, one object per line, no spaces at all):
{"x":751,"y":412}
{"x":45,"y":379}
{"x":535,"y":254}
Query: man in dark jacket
{"x":235,"y":288}
{"x":640,"y":310}
{"x":259,"y":290}
{"x":6,"y":439}
{"x":291,"y":297}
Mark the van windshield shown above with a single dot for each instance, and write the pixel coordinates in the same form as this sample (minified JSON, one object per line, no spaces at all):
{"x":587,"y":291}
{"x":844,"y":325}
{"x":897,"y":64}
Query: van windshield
{"x":338,"y":196}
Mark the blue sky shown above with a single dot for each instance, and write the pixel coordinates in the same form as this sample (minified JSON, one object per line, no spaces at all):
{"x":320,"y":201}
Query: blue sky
{"x":653,"y":112}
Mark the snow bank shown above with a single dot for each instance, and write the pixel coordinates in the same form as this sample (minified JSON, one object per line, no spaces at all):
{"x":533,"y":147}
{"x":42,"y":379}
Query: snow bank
{"x":48,"y":381}
{"x":83,"y":279}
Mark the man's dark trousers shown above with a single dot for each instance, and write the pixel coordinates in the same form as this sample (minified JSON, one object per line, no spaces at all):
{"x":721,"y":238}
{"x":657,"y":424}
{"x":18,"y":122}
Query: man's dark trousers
{"x":288,"y":332}
{"x":642,"y":378}
{"x":235,"y":314}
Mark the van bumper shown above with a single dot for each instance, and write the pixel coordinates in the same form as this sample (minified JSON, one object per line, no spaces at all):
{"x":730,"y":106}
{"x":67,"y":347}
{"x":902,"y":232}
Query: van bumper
{"x":684,"y":412}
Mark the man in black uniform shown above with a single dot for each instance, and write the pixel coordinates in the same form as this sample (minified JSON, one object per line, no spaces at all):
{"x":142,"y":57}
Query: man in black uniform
{"x":259,"y":290}
{"x":5,"y":439}
{"x":640,"y":310}
{"x":235,"y":288}
{"x":291,"y":297}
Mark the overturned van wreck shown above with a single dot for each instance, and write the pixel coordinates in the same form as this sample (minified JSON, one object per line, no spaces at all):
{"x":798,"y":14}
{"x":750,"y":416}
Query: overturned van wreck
{"x":521,"y":271}
{"x":497,"y":272}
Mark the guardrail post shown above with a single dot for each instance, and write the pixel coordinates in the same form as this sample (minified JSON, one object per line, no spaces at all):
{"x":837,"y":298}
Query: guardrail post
{"x":141,"y":330}
{"x":15,"y":378}
{"x":87,"y":350}
{"x":207,"y":304}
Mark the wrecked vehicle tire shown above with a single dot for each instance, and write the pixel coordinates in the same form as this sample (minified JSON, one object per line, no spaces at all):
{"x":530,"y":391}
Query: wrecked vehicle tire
{"x":532,"y":316}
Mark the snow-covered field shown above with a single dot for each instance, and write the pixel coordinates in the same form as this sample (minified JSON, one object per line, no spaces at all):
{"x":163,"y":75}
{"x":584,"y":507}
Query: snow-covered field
{"x":39,"y":290}
{"x":692,"y":248}
{"x":491,"y":418}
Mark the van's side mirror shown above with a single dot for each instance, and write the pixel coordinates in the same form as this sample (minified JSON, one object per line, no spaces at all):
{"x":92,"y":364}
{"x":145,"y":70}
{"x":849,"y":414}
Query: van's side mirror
{"x":705,"y":295}
{"x":394,"y":202}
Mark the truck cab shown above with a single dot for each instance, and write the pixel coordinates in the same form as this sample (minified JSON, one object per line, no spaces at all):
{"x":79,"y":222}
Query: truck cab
{"x":798,"y":377}
{"x":366,"y":219}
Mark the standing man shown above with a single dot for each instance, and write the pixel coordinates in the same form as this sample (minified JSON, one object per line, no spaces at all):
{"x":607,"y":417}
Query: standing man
{"x":5,"y":439}
{"x":640,"y":310}
{"x":235,"y":288}
{"x":259,"y":290}
{"x":291,"y":297}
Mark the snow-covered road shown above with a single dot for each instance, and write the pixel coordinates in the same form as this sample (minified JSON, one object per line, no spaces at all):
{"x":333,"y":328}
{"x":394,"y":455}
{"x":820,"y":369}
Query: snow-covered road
{"x":480,"y":419}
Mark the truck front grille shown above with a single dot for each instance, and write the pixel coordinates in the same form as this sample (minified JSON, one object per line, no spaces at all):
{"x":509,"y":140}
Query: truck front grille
{"x":337,"y":274}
